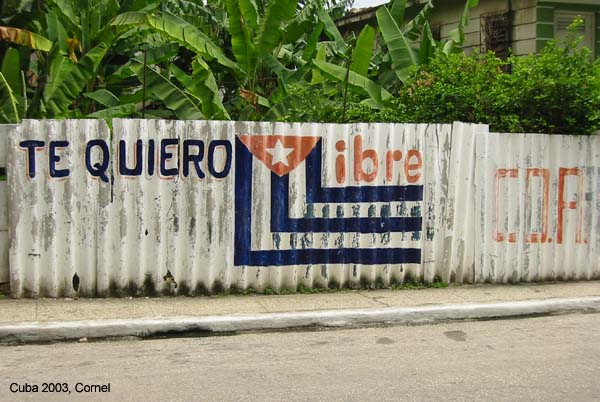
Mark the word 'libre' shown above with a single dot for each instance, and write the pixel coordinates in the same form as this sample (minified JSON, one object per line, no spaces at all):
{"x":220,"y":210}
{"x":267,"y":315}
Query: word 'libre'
{"x":413,"y":163}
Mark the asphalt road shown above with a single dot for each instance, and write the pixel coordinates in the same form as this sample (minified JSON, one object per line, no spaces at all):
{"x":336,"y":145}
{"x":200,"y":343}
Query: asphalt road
{"x":533,"y":359}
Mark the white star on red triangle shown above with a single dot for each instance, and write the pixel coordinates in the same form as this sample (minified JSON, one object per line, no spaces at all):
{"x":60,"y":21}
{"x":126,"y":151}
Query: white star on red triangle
{"x":279,"y":153}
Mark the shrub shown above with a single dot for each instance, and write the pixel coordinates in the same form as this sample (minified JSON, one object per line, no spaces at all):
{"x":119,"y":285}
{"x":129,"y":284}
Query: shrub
{"x":456,"y":87}
{"x":555,"y":92}
{"x":317,"y":104}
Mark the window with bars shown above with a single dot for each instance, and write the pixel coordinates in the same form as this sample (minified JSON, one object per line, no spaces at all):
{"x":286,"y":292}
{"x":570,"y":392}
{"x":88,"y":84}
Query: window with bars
{"x":495,"y":29}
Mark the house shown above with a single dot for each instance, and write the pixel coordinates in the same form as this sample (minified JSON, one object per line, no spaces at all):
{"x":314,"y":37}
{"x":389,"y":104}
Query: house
{"x":523,"y":25}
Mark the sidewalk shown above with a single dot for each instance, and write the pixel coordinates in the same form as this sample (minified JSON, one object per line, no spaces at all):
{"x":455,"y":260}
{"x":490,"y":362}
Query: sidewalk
{"x":48,"y":319}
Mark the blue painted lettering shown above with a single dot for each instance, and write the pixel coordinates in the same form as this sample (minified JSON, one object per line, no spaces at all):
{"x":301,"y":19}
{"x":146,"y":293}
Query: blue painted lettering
{"x":211,"y":158}
{"x":98,"y":169}
{"x":123,"y":169}
{"x":165,"y":155}
{"x":150,"y":158}
{"x":53,"y":159}
{"x":196,"y":158}
{"x":31,"y":146}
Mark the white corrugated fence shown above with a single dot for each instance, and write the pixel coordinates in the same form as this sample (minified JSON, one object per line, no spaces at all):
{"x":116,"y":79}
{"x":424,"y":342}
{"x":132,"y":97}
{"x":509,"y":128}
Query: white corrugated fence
{"x":5,"y":130}
{"x":196,"y":207}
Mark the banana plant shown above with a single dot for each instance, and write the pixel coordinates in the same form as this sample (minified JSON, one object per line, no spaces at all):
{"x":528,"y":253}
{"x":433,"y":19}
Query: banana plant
{"x":365,"y":71}
{"x":81,"y":65}
{"x":456,"y":37}
{"x":400,"y":38}
{"x":66,"y":52}
{"x":376,"y":74}
{"x":12,"y":80}
{"x":246,"y":58}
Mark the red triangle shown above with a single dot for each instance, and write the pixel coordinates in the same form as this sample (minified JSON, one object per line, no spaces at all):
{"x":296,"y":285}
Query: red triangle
{"x":300,"y":147}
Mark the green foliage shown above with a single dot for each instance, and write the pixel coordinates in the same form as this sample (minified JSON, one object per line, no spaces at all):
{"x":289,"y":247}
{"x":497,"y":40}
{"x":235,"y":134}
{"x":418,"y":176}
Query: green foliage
{"x":402,"y":54}
{"x":25,"y":38}
{"x":377,"y":94}
{"x":457,"y":35}
{"x":363,"y":50}
{"x":278,"y":60}
{"x":8,"y":104}
{"x":411,"y":284}
{"x":555,"y":92}
{"x":455,"y":88}
{"x":164,"y":89}
{"x":314,"y":104}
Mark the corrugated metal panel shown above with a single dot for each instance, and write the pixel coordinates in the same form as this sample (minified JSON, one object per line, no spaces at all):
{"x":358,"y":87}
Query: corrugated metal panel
{"x":538,"y":207}
{"x":54,"y":221}
{"x":5,"y":130}
{"x":458,"y":210}
{"x":194,"y":207}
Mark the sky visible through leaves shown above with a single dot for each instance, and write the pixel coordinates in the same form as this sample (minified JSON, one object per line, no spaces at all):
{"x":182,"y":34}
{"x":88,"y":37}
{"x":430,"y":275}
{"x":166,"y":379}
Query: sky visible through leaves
{"x":368,"y":3}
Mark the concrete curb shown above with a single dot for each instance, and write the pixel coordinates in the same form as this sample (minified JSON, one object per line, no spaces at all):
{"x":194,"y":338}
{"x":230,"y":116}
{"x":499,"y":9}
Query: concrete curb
{"x":223,"y":324}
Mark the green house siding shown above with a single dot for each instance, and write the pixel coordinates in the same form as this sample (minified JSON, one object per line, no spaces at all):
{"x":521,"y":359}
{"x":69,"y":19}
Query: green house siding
{"x":544,"y":26}
{"x":545,"y":21}
{"x":598,"y":34}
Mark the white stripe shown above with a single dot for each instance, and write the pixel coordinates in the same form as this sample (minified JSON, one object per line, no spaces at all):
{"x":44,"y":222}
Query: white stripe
{"x":323,"y":241}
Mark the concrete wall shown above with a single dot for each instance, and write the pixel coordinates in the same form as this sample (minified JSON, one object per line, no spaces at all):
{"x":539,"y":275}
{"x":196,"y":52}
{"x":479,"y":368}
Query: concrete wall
{"x":532,"y":21}
{"x":194,"y":207}
{"x":447,"y":14}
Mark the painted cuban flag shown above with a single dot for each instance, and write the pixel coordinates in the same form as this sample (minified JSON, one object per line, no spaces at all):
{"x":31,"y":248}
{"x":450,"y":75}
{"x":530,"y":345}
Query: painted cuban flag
{"x":342,"y":197}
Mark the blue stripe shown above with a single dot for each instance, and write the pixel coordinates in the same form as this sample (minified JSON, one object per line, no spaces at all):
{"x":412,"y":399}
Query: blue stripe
{"x":365,"y":256}
{"x":280,"y":221}
{"x":243,"y":204}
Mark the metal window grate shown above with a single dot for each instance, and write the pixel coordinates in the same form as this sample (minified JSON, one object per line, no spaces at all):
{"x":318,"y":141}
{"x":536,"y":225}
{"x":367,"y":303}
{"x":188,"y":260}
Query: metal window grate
{"x":496,"y":31}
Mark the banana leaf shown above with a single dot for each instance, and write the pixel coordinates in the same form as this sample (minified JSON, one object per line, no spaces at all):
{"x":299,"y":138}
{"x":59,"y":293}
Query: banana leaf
{"x":427,"y":46}
{"x":303,"y":21}
{"x":180,"y":30}
{"x":249,"y":12}
{"x":277,"y":13}
{"x":414,"y":27}
{"x":332,"y":31}
{"x":161,"y":88}
{"x":57,"y":32}
{"x":456,"y":37}
{"x":378,"y":94}
{"x":8,"y":103}
{"x":311,"y":43}
{"x":25,"y":38}
{"x":361,"y":57}
{"x":317,"y":76}
{"x":241,"y":36}
{"x":203,"y":87}
{"x":103,"y":97}
{"x":397,"y":9}
{"x":402,"y":55}
{"x":66,"y":79}
{"x":126,"y":110}
{"x":11,"y":68}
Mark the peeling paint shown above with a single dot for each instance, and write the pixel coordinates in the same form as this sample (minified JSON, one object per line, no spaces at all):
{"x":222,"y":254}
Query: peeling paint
{"x":489,"y":207}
